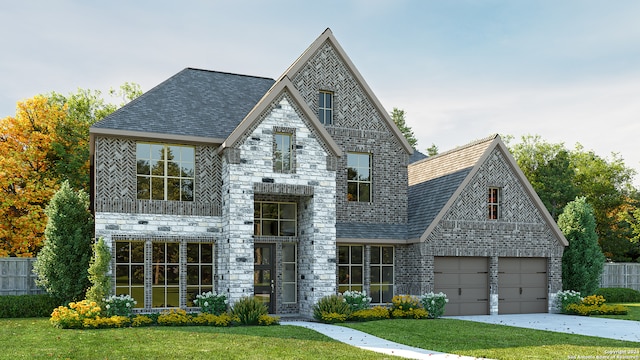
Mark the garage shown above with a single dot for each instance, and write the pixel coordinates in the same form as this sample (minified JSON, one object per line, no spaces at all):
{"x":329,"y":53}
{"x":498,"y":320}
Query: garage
{"x":522,"y":285}
{"x":465,"y":280}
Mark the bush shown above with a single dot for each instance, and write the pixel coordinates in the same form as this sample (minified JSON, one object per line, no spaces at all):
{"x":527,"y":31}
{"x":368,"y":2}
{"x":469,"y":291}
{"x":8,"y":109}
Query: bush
{"x":434,"y":304}
{"x":566,"y":298}
{"x":211,"y":303}
{"x":175,"y":317}
{"x":141,"y":320}
{"x":214,"y":320}
{"x":119,"y":305}
{"x":332,"y":304}
{"x":375,"y":313}
{"x":26,"y":306}
{"x":106,"y":322}
{"x":267,"y":320}
{"x":248,"y":310}
{"x":73,"y":316}
{"x":357,"y":300}
{"x":619,"y":295}
{"x":408,"y":307}
{"x":594,"y":305}
{"x":98,"y":269}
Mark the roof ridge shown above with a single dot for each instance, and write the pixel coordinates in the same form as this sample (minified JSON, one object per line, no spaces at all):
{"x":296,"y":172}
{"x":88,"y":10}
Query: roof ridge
{"x":227,"y":73}
{"x":461,"y":147}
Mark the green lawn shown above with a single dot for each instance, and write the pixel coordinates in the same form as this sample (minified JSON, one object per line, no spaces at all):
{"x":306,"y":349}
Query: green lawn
{"x":494,"y":341}
{"x":36,"y":338}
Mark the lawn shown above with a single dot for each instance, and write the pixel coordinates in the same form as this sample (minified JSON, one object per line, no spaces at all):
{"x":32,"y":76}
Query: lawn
{"x":495,"y":341}
{"x":36,"y":338}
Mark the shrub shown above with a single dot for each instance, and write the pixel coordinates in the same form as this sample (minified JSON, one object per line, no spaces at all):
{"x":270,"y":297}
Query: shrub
{"x":332,"y":317}
{"x":405,"y":302}
{"x":174,"y":317}
{"x":213,"y":320}
{"x":73,"y":316}
{"x":619,"y":295}
{"x":267,"y":320}
{"x":332,"y":304}
{"x":248,"y":310}
{"x":566,"y":298}
{"x":98,"y":269}
{"x":211,"y":303}
{"x":434,"y":304}
{"x":593,"y":300}
{"x":141,"y":320}
{"x":587,"y":310}
{"x":121,"y":305}
{"x":26,"y":306}
{"x":375,"y":313}
{"x":106,"y":322}
{"x":357,"y":300}
{"x":417,"y":313}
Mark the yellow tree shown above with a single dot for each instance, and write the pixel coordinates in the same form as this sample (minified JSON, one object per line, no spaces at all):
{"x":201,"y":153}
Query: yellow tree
{"x":25,"y":174}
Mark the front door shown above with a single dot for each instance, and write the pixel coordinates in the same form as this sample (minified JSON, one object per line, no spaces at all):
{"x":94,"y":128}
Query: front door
{"x":264,"y":279}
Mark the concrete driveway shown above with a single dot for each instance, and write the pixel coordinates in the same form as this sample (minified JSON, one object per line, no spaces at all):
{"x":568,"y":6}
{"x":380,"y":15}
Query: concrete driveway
{"x":580,"y":325}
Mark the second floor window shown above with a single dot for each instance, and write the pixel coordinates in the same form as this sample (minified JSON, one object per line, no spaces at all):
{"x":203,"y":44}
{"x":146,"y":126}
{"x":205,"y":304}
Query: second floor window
{"x":325,"y":107}
{"x":359,"y":177}
{"x":282,"y":155}
{"x":165,"y":172}
{"x":494,"y":203}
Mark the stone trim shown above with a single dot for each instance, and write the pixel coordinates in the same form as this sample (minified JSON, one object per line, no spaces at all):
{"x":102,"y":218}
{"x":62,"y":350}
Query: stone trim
{"x":282,"y":189}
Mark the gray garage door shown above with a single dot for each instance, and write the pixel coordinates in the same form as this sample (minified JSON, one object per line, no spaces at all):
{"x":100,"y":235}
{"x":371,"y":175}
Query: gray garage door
{"x":465,"y":281}
{"x":522,"y":285}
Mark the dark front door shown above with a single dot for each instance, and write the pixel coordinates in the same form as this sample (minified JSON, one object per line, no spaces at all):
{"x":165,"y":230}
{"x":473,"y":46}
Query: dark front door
{"x":264,"y":280}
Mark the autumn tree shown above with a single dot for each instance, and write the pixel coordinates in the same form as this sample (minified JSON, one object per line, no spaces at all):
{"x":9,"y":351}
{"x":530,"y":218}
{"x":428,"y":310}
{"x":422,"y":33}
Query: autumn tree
{"x":398,"y":117}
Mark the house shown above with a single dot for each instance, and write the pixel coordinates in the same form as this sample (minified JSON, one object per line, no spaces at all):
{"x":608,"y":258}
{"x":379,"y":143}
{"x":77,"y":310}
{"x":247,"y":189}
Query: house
{"x":295,"y":188}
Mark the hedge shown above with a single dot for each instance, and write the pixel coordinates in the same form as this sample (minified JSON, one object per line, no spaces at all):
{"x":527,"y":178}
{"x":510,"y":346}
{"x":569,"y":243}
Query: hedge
{"x":619,"y":295}
{"x":25,"y":306}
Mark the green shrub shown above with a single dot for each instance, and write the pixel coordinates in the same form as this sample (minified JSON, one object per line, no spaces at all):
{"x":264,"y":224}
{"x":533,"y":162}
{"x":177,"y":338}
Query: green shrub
{"x":566,"y":298}
{"x":248,"y":310}
{"x":267,"y":320}
{"x":175,"y":317}
{"x":214,"y":320}
{"x":26,"y":306}
{"x":357,"y":300}
{"x":619,"y":295}
{"x":332,"y":304}
{"x":375,"y":313}
{"x":98,"y":269}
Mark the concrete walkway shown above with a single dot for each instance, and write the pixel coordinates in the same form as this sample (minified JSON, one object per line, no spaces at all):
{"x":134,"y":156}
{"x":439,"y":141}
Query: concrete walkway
{"x":579,"y":325}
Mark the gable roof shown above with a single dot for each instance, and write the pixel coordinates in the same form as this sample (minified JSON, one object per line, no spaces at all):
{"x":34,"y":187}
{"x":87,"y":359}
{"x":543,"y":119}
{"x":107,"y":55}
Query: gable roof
{"x":194,"y":103}
{"x":327,"y":36}
{"x":436,"y":182}
{"x":282,"y":85}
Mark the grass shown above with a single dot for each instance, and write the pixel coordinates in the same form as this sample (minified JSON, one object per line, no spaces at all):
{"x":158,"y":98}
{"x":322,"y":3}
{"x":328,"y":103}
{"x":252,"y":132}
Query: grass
{"x":494,"y":341}
{"x":37,"y":339}
{"x":634,"y":312}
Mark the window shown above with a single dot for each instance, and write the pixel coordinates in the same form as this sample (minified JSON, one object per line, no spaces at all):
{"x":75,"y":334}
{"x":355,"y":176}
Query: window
{"x":350,"y":265}
{"x":275,"y":219}
{"x":325,"y":107}
{"x":359,"y":177}
{"x":164,"y":269}
{"x":494,"y":203}
{"x":289,"y":273}
{"x":381,"y":274}
{"x":165,"y":172}
{"x":282,"y":154}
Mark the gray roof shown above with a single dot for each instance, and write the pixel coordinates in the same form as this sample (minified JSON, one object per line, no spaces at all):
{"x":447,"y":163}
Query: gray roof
{"x":416,"y":156}
{"x":371,"y":231}
{"x":426,"y":200}
{"x":193,"y":102}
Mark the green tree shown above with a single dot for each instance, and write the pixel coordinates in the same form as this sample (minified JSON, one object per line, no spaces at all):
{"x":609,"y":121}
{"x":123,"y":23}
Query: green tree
{"x":398,"y":117}
{"x":583,"y":260}
{"x":98,"y":269}
{"x":432,"y":150}
{"x":62,"y":264}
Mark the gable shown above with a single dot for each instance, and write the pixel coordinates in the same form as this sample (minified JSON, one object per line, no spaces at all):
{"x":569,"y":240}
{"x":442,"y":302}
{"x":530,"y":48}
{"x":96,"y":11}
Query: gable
{"x":192,"y":103}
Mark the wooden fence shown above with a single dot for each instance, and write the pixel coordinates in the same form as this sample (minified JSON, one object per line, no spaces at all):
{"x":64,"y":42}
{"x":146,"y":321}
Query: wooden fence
{"x":17,"y":278}
{"x":624,"y":275}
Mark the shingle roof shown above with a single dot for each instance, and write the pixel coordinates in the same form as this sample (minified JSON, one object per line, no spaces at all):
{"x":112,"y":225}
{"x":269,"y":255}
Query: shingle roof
{"x":416,"y":156}
{"x":193,"y":102}
{"x":371,"y":231}
{"x":434,"y":180}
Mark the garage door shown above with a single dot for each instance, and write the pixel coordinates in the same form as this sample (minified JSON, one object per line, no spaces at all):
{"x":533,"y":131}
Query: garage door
{"x":465,"y":281}
{"x":522,"y":285}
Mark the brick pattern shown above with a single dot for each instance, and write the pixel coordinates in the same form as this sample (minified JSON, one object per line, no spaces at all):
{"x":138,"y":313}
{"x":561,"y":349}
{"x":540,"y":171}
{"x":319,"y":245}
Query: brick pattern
{"x":358,"y":127}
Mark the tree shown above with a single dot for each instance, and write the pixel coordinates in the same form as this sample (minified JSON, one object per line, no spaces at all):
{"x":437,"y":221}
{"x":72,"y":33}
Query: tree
{"x":397,"y":116}
{"x":62,"y":264}
{"x":432,"y":150}
{"x":98,"y":269}
{"x":582,"y":261}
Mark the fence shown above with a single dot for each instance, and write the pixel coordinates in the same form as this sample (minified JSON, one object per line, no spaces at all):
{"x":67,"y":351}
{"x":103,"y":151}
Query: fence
{"x":17,"y":278}
{"x":625,"y":275}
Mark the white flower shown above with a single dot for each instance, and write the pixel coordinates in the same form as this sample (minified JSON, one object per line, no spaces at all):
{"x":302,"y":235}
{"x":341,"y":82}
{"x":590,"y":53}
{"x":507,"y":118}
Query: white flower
{"x":108,"y":306}
{"x":128,"y":305}
{"x":206,"y":303}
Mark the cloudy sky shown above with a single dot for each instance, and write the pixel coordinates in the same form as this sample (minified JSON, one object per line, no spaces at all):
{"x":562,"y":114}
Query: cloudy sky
{"x":568,"y":71}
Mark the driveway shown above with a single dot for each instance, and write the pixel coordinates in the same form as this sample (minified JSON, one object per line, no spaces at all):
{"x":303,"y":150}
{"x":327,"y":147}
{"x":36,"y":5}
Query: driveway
{"x":581,"y":325}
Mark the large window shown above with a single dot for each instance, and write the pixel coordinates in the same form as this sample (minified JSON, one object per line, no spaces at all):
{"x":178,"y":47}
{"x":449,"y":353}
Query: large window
{"x":282,"y":154}
{"x":165,"y":172}
{"x":359,"y":177}
{"x":166,"y":265}
{"x":325,"y":107}
{"x":350,"y":266}
{"x":494,"y":203}
{"x":289,"y":273}
{"x":275,"y":218}
{"x":381,"y":274}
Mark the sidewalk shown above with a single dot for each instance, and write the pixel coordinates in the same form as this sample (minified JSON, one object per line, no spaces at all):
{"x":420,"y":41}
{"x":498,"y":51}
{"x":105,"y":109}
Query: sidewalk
{"x":370,"y":342}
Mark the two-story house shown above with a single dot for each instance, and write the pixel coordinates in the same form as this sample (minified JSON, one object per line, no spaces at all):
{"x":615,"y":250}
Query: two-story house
{"x":300,"y":187}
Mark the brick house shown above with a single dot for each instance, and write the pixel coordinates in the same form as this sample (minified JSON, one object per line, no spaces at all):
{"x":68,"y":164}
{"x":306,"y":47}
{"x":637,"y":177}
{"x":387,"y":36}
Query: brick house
{"x":295,"y":188}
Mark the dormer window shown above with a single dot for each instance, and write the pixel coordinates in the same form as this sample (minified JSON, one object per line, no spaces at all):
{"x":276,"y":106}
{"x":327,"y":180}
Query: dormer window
{"x":325,"y":107}
{"x":494,"y":203}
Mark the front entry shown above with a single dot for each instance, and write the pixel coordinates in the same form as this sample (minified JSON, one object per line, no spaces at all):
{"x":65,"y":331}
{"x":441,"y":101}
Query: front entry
{"x":264,"y":270}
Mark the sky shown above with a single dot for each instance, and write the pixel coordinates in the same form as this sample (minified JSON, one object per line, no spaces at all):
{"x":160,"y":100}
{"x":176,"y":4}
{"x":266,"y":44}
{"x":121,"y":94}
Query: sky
{"x":566,"y":70}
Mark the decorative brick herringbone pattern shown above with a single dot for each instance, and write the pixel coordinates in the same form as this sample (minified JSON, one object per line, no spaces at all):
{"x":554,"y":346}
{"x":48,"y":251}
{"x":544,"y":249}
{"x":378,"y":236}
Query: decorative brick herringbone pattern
{"x":115,"y":169}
